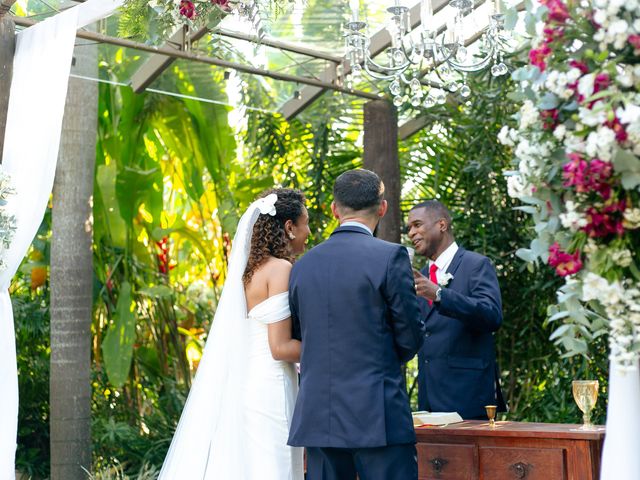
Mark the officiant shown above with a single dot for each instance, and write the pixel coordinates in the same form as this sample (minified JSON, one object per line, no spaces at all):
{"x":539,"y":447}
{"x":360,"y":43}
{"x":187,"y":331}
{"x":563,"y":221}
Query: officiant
{"x":461,"y":304}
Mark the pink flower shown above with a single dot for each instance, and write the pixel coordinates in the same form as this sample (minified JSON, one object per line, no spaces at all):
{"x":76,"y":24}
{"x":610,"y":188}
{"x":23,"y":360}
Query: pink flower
{"x":585,"y":177}
{"x":223,"y":4}
{"x":601,"y":82}
{"x":558,"y":11}
{"x":187,"y":9}
{"x":634,"y":40}
{"x":551,"y":34}
{"x":564,"y":263}
{"x":605,"y":222}
{"x":537,"y":56}
{"x":580,"y":66}
{"x":618,"y":128}
{"x":549,"y":118}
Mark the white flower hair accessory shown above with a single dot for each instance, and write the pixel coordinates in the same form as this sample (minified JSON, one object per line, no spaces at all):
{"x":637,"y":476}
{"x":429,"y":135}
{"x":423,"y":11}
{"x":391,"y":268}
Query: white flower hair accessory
{"x":446,"y":278}
{"x":267,"y":205}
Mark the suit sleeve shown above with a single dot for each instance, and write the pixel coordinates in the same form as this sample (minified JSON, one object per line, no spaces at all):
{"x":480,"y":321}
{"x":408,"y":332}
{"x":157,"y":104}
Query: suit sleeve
{"x":481,"y":310}
{"x":296,"y":332}
{"x":404,"y":313}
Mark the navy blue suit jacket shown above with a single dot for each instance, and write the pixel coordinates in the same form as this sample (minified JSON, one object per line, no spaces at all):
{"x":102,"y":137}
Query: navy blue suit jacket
{"x":457,"y":369}
{"x":353,"y":300}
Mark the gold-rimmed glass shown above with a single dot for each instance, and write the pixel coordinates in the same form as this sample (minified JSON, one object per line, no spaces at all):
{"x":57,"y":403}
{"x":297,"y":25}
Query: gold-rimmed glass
{"x":585,"y":393}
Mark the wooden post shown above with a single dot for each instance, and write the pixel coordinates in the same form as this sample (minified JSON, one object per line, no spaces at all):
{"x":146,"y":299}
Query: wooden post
{"x":7,"y":48}
{"x":381,"y":156}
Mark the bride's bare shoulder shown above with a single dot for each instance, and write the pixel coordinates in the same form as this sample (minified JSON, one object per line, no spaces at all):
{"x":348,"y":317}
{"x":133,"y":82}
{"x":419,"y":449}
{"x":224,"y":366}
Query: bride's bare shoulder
{"x":277,"y":266}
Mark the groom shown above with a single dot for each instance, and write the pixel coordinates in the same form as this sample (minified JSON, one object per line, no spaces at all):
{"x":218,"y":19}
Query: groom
{"x":353,"y":299}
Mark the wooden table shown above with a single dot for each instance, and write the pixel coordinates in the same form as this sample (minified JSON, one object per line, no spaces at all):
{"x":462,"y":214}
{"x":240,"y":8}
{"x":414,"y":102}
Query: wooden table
{"x":472,"y":450}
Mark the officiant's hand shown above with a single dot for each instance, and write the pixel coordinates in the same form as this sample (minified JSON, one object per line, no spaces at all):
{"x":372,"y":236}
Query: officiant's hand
{"x":424,"y":287}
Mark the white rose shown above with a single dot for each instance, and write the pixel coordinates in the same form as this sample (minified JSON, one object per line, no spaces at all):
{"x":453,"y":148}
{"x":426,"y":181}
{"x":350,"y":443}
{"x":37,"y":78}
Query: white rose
{"x":504,"y":138}
{"x":632,"y":218}
{"x":628,"y":114}
{"x":560,"y":131}
{"x":592,"y":116}
{"x":592,"y":287}
{"x":585,"y":84}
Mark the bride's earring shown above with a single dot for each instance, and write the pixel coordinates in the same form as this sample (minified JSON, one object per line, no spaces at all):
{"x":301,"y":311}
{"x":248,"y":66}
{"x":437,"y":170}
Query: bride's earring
{"x":292,"y":236}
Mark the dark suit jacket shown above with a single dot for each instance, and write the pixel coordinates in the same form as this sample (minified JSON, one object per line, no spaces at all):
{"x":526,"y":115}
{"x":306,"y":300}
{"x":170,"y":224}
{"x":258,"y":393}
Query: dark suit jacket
{"x":353,"y":300}
{"x":457,"y":363}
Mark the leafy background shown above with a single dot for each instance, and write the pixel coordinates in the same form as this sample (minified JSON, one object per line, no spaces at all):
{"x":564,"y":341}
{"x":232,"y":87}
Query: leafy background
{"x":172,"y":176}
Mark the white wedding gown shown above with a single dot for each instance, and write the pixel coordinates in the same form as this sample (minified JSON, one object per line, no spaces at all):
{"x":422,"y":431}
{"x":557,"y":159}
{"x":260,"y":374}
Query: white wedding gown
{"x":271,"y":390}
{"x":235,"y":423}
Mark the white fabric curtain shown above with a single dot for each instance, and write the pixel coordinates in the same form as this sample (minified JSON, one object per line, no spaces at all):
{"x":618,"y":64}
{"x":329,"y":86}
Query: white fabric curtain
{"x":34,"y":121}
{"x":621,"y":455}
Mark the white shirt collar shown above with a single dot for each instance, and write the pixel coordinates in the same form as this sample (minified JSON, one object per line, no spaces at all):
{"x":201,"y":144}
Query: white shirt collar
{"x":356,"y":224}
{"x":445,"y":258}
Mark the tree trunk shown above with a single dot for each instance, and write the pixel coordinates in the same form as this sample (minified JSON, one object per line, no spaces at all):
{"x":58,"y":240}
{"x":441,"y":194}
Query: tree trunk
{"x":381,"y":156}
{"x":72,"y":276}
{"x":7,"y":48}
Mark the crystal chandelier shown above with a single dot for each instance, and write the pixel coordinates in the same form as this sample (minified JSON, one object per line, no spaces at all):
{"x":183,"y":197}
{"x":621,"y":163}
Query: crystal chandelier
{"x":443,"y":54}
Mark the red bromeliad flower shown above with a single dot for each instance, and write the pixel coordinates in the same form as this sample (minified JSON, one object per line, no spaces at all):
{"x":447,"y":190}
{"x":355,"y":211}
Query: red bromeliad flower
{"x":564,"y":263}
{"x":187,"y":9}
{"x":537,"y":56}
{"x":163,"y":255}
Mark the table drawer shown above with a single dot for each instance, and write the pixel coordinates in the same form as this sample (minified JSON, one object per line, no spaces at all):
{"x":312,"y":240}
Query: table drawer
{"x":509,"y":463}
{"x":442,"y":461}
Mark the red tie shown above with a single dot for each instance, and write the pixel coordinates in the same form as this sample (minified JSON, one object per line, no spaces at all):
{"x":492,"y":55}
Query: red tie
{"x":432,"y":276}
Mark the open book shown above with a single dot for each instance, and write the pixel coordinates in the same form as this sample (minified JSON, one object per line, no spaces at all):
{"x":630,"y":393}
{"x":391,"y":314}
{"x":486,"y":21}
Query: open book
{"x":435,"y":418}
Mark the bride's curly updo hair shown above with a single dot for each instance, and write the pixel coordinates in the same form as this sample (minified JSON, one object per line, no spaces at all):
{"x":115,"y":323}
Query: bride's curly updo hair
{"x":269,"y":238}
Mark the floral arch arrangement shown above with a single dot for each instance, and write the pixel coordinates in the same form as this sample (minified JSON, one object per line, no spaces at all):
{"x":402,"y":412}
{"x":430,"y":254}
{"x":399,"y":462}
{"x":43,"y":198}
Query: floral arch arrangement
{"x":576,"y":142}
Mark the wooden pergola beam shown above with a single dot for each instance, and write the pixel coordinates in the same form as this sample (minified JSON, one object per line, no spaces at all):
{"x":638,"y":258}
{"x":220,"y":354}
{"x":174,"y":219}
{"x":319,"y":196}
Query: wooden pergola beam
{"x":156,"y":64}
{"x":380,"y":41}
{"x":171,"y":52}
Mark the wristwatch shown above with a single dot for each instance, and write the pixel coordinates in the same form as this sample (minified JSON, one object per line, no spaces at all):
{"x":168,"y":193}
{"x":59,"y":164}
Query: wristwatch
{"x":438,"y":294}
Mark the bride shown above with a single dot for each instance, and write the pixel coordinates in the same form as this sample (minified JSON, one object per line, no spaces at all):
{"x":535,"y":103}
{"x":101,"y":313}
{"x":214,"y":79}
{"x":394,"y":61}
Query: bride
{"x":236,"y":420}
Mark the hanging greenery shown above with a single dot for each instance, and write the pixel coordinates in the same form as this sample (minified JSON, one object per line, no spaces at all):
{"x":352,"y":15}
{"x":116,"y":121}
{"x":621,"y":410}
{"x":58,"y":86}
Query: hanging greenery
{"x":157,"y":20}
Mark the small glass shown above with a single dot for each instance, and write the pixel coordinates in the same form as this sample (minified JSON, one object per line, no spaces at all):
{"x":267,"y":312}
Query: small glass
{"x":491,"y":414}
{"x":585,"y":393}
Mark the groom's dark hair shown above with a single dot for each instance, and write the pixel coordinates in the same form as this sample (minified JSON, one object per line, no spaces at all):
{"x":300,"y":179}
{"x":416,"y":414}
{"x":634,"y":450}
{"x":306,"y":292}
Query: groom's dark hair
{"x":358,"y":190}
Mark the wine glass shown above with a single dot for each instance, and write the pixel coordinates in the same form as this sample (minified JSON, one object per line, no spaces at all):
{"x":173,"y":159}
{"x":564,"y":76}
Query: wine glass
{"x":585,"y":393}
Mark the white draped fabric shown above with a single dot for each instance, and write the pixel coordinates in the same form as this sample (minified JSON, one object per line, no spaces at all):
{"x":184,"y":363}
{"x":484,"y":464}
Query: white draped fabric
{"x":621,"y":454}
{"x":34,"y":121}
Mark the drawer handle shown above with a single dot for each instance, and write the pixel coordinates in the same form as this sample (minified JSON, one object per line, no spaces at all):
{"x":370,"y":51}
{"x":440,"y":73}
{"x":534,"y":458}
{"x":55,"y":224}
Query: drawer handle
{"x":438,"y":464}
{"x":521,"y":470}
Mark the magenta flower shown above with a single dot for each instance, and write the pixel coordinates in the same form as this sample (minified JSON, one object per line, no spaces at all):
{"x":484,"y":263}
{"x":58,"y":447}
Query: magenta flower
{"x":618,"y":128}
{"x":634,"y":40}
{"x":601,"y":82}
{"x":605,"y":222}
{"x":223,"y":4}
{"x":579,"y":65}
{"x":537,"y":56}
{"x":564,"y":263}
{"x":187,"y":9}
{"x":549,"y":118}
{"x":558,"y":11}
